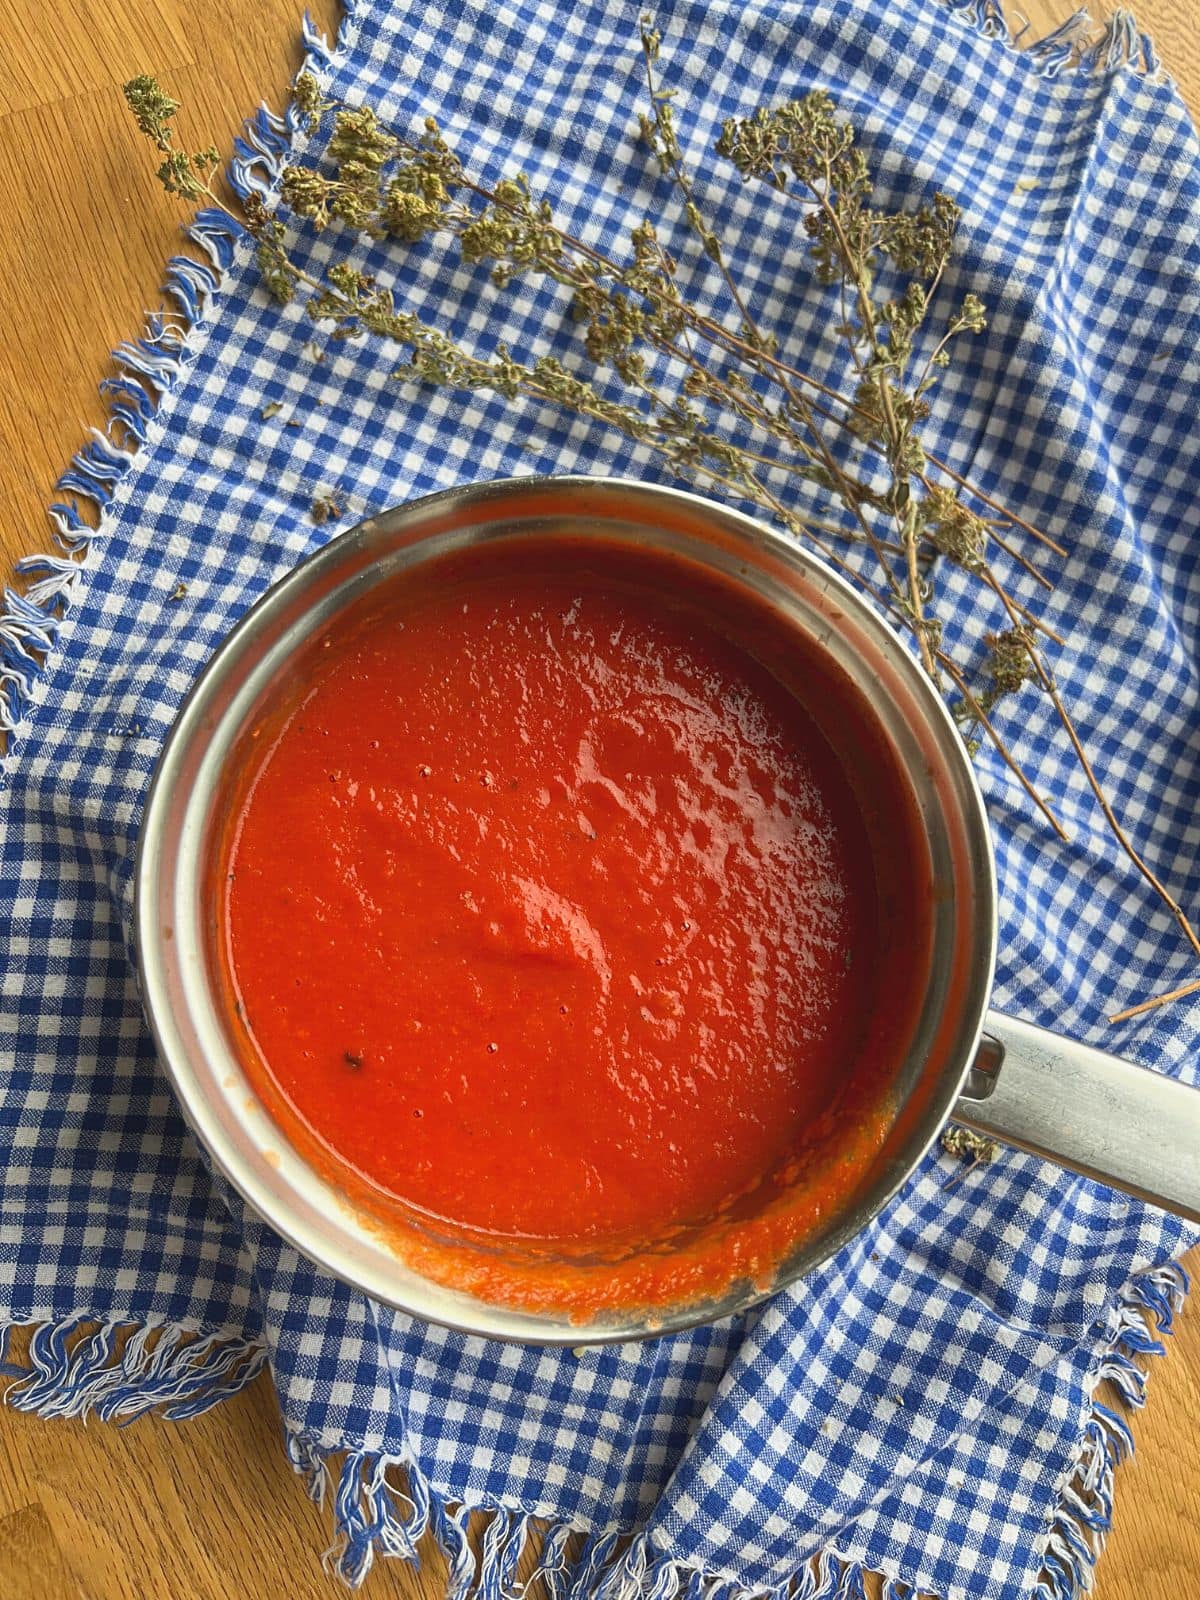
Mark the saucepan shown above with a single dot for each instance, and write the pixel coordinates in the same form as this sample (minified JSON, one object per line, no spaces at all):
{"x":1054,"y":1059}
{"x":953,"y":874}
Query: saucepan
{"x":1090,"y":1112}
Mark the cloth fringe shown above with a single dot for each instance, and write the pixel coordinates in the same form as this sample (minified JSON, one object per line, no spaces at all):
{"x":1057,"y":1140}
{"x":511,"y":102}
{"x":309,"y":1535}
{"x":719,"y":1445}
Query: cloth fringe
{"x":121,"y":1370}
{"x":1076,"y":1535}
{"x":384,"y":1505}
{"x":1079,"y":44}
{"x":148,"y":369}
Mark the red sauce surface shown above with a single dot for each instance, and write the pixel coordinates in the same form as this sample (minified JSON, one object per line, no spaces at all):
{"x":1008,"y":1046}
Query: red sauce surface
{"x":553,"y":916}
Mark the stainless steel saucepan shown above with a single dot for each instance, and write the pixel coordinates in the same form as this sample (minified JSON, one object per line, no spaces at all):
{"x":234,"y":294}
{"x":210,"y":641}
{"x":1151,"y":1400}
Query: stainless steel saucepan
{"x":1110,"y":1119}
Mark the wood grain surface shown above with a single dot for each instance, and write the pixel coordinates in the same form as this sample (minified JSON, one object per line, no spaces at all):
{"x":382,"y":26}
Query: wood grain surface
{"x":208,"y":1509}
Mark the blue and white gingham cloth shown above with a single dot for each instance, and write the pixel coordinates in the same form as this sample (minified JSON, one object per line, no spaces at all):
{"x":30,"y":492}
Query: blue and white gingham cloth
{"x":924,"y":1406}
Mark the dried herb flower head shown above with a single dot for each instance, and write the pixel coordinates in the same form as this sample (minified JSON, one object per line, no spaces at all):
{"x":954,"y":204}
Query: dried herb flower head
{"x":1008,"y":661}
{"x":308,"y":101}
{"x":179,"y":173}
{"x":953,"y":529}
{"x":152,"y":108}
{"x":709,"y":393}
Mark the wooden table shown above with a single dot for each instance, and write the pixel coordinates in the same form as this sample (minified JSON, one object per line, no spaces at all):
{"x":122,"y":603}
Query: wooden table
{"x":208,"y":1509}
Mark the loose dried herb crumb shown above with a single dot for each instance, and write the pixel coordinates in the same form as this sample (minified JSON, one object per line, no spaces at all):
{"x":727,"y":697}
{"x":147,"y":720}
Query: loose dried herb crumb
{"x":327,"y":507}
{"x":968,"y":1146}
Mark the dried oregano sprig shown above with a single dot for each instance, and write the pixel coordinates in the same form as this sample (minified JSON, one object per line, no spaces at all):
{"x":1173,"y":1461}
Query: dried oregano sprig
{"x":718,"y":402}
{"x":180,"y":173}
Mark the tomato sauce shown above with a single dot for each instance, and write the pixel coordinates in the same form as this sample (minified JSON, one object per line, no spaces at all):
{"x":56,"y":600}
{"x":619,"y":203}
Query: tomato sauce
{"x":561,"y":929}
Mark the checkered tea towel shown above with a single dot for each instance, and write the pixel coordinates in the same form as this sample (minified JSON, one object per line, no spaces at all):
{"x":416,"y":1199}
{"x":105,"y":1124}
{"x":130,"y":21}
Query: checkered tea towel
{"x":928,"y":1405}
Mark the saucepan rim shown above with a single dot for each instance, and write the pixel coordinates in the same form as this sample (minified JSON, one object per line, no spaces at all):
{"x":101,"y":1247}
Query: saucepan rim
{"x":208,"y":1091}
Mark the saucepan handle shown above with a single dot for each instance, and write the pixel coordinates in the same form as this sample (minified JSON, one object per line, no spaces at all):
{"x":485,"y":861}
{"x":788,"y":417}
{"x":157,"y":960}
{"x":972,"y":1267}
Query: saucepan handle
{"x":1109,"y":1119}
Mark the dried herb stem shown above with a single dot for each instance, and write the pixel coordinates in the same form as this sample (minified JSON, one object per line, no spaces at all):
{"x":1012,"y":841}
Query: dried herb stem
{"x":1143,"y":1006}
{"x":1022,"y":561}
{"x":1050,"y":688}
{"x":666,"y":146}
{"x":1034,"y":621}
{"x":980,"y":715}
{"x":659,"y":132}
